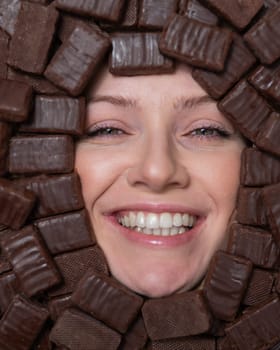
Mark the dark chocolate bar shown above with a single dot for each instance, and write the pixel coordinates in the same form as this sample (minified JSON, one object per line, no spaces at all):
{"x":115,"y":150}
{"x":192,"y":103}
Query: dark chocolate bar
{"x":136,"y":337}
{"x":225,"y":284}
{"x":15,"y":204}
{"x":74,"y":63}
{"x":56,"y":114}
{"x":259,"y":168}
{"x":77,"y":331}
{"x":21,"y":324}
{"x":31,"y":261}
{"x":268,"y":136}
{"x":255,"y":244}
{"x":246,"y":108}
{"x":271,"y":195}
{"x":138,"y":53}
{"x":195,"y":10}
{"x":178,"y":315}
{"x":66,"y":232}
{"x":4,"y":49}
{"x":8,"y":289}
{"x":15,"y":100}
{"x":31,"y":42}
{"x":9,"y":10}
{"x":49,"y":154}
{"x":5,"y":133}
{"x":185,"y":343}
{"x":210,"y":51}
{"x":107,"y":300}
{"x":58,"y":305}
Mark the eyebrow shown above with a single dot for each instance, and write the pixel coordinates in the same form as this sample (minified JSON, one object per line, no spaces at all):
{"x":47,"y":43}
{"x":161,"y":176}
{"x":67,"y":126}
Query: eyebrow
{"x":114,"y":100}
{"x":192,"y":102}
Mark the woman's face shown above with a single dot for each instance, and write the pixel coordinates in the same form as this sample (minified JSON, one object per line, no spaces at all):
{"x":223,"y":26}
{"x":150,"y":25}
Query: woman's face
{"x":160,"y":170}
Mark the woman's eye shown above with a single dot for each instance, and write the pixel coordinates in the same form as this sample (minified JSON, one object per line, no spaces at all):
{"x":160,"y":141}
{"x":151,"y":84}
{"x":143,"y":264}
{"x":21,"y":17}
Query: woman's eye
{"x":210,"y":132}
{"x":105,"y":131}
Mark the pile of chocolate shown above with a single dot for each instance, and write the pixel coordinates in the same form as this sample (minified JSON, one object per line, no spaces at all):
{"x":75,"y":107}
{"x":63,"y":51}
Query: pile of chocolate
{"x":56,"y":291}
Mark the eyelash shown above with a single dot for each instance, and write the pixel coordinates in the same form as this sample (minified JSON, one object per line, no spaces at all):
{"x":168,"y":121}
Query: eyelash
{"x":216,"y":132}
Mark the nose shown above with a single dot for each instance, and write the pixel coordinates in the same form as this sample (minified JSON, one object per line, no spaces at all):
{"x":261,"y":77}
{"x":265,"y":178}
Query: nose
{"x":158,"y":166}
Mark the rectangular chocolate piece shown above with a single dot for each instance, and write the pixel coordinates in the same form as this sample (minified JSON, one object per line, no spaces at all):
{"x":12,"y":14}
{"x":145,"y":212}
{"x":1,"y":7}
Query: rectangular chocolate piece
{"x":58,"y":305}
{"x":153,"y":14}
{"x":245,"y":108}
{"x":261,"y":326}
{"x":178,"y":41}
{"x":56,"y":114}
{"x":268,"y":136}
{"x":169,"y":314}
{"x":15,"y":100}
{"x":94,"y":336}
{"x":49,"y":154}
{"x":55,"y":194}
{"x":138,"y":53}
{"x":107,"y":300}
{"x":21,"y":324}
{"x":15,"y":204}
{"x":195,"y":10}
{"x":225,"y":284}
{"x":271,"y":195}
{"x":31,"y":42}
{"x":31,"y":261}
{"x":4,"y":49}
{"x":66,"y":232}
{"x":259,"y":168}
{"x":259,"y":37}
{"x":74,"y":63}
{"x":9,"y":10}
{"x":255,"y":244}
{"x":74,"y":265}
{"x":8,"y":289}
{"x":136,"y":337}
{"x":250,"y":207}
{"x":5,"y":133}
{"x":202,"y":342}
{"x":239,"y":61}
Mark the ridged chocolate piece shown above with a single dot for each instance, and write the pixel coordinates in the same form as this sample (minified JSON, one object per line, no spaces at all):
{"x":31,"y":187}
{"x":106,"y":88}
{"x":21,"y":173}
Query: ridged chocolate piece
{"x":15,"y":100}
{"x":271,"y":195}
{"x":74,"y":265}
{"x":188,"y":343}
{"x":259,"y":287}
{"x":5,"y":133}
{"x":109,"y":10}
{"x":238,"y":13}
{"x":255,"y":244}
{"x":15,"y":204}
{"x":179,"y":315}
{"x":107,"y":300}
{"x":268,"y":136}
{"x":239,"y":61}
{"x":94,"y":336}
{"x":31,"y":42}
{"x":21,"y":324}
{"x":259,"y":37}
{"x":4,"y":49}
{"x":56,"y":114}
{"x":138,"y":53}
{"x":31,"y":261}
{"x":66,"y":232}
{"x":130,"y":16}
{"x":250,"y":207}
{"x":74,"y":63}
{"x":8,"y":289}
{"x":196,"y":43}
{"x":225,"y":284}
{"x":9,"y":10}
{"x":55,"y":194}
{"x":245,"y":108}
{"x":58,"y":305}
{"x":49,"y":154}
{"x":261,"y":326}
{"x":153,"y":14}
{"x":259,"y":168}
{"x":136,"y":336}
{"x":195,"y":10}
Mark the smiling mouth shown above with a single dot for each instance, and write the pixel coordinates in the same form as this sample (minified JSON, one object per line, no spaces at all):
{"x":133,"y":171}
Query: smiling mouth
{"x":157,"y":224}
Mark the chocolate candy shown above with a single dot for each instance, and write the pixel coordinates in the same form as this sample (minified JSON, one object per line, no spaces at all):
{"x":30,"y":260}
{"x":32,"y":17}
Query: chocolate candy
{"x":225,"y":284}
{"x":78,"y":331}
{"x":15,"y":100}
{"x":239,"y":61}
{"x":56,"y":114}
{"x":268,"y":136}
{"x":136,"y":336}
{"x":259,"y":168}
{"x":255,"y":244}
{"x":4,"y":49}
{"x":271,"y":198}
{"x":138,"y":53}
{"x":177,"y":40}
{"x":9,"y":10}
{"x":58,"y":305}
{"x":185,"y":343}
{"x":21,"y":324}
{"x":245,"y":108}
{"x":33,"y":36}
{"x":15,"y":204}
{"x":31,"y":261}
{"x":178,"y":315}
{"x":153,"y":14}
{"x":47,"y":154}
{"x":195,"y":10}
{"x":259,"y":37}
{"x":5,"y":133}
{"x":73,"y":64}
{"x":66,"y":232}
{"x":8,"y":289}
{"x":107,"y":300}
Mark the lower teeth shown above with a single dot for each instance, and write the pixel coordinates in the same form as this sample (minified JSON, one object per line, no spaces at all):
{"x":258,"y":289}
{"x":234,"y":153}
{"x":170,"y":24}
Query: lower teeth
{"x":161,"y":231}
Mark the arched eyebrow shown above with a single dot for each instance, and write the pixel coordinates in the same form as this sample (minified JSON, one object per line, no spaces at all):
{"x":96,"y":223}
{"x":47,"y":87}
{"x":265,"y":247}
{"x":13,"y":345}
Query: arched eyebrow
{"x":186,"y":102}
{"x":116,"y":100}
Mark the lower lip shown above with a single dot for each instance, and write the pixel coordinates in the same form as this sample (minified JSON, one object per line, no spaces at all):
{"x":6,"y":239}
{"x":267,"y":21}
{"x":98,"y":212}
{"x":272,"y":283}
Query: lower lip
{"x":157,"y":241}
